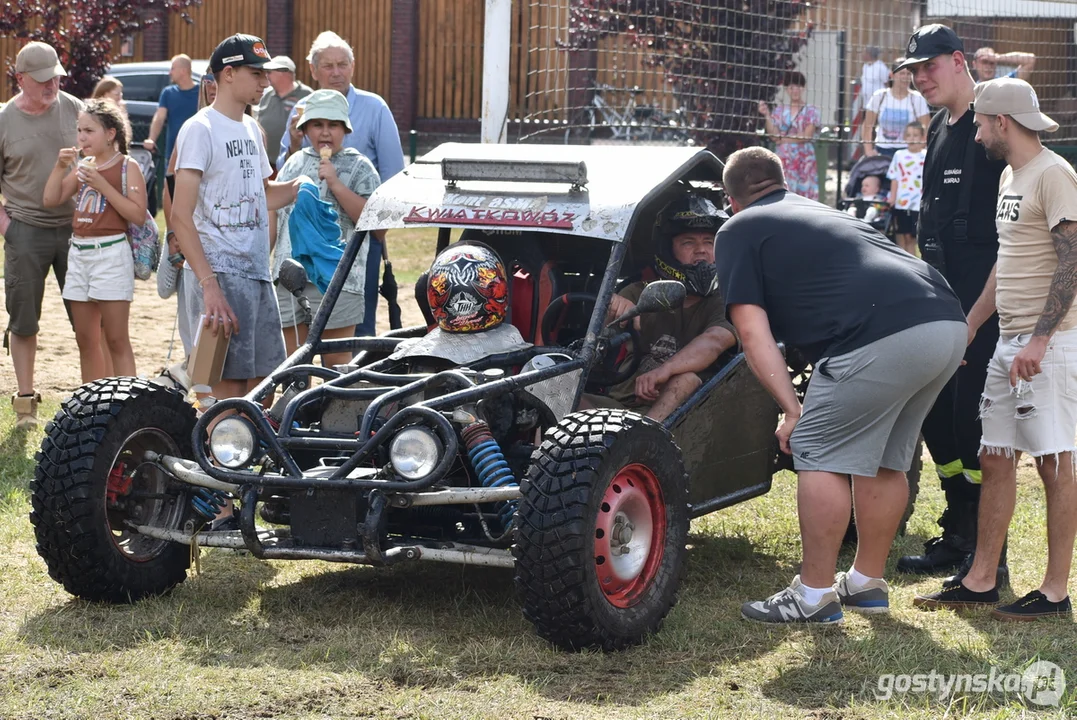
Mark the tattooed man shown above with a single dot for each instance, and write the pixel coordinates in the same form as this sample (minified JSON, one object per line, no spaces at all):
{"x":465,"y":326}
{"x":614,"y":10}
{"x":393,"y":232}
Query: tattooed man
{"x":1029,"y":403}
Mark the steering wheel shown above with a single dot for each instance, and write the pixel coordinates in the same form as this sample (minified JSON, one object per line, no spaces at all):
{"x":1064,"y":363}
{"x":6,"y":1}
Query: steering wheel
{"x":606,"y":374}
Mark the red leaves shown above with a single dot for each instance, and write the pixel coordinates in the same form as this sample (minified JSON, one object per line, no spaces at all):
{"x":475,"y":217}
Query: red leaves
{"x":720,"y":56}
{"x":82,"y":31}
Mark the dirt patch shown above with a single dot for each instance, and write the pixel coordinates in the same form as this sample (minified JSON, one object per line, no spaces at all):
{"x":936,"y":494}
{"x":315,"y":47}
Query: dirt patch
{"x":151,"y":327}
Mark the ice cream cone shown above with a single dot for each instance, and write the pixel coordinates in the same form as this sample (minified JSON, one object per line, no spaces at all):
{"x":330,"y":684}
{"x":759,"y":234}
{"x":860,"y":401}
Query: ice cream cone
{"x":326,"y":153}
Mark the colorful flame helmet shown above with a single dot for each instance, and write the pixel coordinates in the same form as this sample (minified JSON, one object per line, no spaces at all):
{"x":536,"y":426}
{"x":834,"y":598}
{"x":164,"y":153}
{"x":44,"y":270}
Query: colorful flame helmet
{"x":691,"y":213}
{"x":468,"y":290}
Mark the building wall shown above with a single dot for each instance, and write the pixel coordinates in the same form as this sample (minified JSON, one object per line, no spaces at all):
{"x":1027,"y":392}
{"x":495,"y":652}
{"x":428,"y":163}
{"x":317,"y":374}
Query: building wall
{"x":211,"y":22}
{"x":425,"y":56}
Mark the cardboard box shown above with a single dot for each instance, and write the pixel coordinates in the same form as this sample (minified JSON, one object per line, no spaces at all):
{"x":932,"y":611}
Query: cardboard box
{"x":206,"y":363}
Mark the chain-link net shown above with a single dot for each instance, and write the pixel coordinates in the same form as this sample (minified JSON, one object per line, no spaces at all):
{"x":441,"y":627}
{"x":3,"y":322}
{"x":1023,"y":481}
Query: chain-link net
{"x":711,"y":71}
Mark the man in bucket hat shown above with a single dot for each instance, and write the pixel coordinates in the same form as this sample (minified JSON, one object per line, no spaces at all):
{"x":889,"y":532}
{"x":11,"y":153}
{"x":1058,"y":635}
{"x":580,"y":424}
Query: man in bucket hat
{"x":33,"y":127}
{"x":1028,"y":403}
{"x":958,"y":237}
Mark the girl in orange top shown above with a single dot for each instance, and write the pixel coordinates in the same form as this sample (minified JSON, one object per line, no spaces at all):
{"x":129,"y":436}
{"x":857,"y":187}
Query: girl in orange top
{"x":100,"y":276}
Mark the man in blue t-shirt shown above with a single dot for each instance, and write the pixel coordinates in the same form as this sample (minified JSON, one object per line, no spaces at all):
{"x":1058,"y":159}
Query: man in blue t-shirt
{"x":177,"y":104}
{"x":883,"y":332}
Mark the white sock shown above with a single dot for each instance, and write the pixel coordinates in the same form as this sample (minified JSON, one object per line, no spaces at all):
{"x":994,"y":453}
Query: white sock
{"x":813,"y":596}
{"x":857,"y":578}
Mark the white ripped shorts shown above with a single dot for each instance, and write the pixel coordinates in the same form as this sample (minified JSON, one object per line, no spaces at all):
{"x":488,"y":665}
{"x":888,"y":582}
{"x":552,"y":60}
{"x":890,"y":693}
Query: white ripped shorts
{"x":1038,"y":417}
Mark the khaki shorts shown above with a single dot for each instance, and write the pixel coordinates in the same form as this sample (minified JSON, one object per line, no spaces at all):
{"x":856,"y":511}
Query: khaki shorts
{"x":1038,"y":417}
{"x":29,"y":252}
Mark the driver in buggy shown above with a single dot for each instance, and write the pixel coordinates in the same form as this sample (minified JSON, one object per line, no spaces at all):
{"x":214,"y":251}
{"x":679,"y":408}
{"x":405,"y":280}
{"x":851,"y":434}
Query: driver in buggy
{"x":680,"y":346}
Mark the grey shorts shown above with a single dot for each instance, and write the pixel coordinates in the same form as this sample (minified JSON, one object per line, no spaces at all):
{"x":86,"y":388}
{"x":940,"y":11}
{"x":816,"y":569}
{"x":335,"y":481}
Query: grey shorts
{"x":864,"y":409}
{"x":348,"y":312}
{"x":29,"y":252}
{"x":258,"y":348}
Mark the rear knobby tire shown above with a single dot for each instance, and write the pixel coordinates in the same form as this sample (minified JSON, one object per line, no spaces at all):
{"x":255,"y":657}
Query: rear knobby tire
{"x":582,"y":580}
{"x":89,"y":476}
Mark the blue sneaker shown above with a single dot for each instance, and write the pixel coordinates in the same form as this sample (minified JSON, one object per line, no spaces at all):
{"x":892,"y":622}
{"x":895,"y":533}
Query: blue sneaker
{"x":871,"y":599}
{"x":789,"y":606}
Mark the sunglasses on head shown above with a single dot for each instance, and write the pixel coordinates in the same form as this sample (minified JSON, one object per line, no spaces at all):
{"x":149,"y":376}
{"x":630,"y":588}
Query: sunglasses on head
{"x":208,"y":78}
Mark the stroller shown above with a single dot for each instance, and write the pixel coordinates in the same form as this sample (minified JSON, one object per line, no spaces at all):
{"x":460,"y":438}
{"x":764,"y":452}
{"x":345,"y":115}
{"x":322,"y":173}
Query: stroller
{"x":875,"y":213}
{"x":145,"y":161}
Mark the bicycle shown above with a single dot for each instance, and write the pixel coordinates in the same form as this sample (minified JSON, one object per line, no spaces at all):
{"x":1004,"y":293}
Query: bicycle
{"x":632,"y":122}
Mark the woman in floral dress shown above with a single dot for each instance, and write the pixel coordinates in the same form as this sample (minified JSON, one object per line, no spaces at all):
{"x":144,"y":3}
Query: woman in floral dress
{"x":792,"y":128}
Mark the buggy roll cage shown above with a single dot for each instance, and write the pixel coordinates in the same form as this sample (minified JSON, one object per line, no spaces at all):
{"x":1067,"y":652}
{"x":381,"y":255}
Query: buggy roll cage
{"x":279,"y":442}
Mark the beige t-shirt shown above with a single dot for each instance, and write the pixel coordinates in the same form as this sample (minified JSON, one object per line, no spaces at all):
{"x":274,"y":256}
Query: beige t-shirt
{"x":1031,"y":202}
{"x":29,"y":145}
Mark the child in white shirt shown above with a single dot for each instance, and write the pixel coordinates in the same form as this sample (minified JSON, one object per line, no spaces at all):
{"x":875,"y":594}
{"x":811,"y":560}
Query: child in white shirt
{"x":906,"y":175}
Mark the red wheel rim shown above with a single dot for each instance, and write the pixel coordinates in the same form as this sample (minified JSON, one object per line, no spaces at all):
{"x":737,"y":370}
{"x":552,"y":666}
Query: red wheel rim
{"x":129,"y":476}
{"x":629,"y":535}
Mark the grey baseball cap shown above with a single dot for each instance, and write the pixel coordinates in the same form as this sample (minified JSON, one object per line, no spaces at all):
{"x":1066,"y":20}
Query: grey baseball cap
{"x":280,"y":62}
{"x":1013,"y":97}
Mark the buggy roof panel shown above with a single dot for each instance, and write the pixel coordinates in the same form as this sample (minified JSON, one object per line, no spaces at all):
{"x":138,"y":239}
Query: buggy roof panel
{"x":619,"y":182}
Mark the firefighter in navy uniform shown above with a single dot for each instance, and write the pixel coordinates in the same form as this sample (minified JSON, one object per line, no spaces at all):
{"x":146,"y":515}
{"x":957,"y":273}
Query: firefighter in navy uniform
{"x":956,"y":235}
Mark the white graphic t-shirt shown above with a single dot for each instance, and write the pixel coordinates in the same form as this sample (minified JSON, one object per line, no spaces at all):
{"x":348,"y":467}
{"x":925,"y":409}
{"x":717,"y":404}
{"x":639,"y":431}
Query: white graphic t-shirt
{"x":907,"y":170}
{"x":231,"y":215}
{"x":894,"y":114}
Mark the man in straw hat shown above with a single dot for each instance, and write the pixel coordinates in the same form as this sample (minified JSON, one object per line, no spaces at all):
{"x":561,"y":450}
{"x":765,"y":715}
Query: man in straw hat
{"x":34,"y":126}
{"x":1029,"y":403}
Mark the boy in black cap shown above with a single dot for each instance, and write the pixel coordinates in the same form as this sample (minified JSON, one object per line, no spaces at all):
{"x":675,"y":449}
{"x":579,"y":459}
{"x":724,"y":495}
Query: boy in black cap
{"x":220,"y":214}
{"x":958,"y":237}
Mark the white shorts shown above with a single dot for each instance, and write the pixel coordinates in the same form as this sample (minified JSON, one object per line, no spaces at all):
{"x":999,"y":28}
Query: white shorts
{"x":100,"y":273}
{"x":1038,"y":417}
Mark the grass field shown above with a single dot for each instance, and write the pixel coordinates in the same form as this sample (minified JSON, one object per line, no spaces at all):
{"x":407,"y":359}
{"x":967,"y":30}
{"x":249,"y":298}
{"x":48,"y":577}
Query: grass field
{"x":249,"y":639}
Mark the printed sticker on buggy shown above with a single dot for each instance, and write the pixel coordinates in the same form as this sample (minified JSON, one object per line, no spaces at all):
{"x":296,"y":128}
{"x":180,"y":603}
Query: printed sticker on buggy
{"x":491,"y":216}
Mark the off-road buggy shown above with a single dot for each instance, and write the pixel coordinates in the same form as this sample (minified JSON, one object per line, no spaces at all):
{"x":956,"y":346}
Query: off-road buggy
{"x":466,"y":451}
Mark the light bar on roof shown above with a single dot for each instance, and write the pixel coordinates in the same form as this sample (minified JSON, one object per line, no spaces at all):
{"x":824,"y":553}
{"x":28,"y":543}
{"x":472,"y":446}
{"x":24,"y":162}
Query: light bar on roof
{"x":456,"y":170}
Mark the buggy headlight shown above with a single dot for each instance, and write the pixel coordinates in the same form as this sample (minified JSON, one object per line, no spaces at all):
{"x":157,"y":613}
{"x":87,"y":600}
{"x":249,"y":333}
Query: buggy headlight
{"x":414,"y":452}
{"x":232,"y":441}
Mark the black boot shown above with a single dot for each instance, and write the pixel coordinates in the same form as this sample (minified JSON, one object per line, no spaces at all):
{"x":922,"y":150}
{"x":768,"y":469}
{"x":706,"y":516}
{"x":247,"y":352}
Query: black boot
{"x":941,"y":555}
{"x":1002,"y":574}
{"x":946,"y":553}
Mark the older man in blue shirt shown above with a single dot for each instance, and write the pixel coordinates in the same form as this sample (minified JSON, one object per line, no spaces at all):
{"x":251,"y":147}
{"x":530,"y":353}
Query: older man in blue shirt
{"x":374,"y":134}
